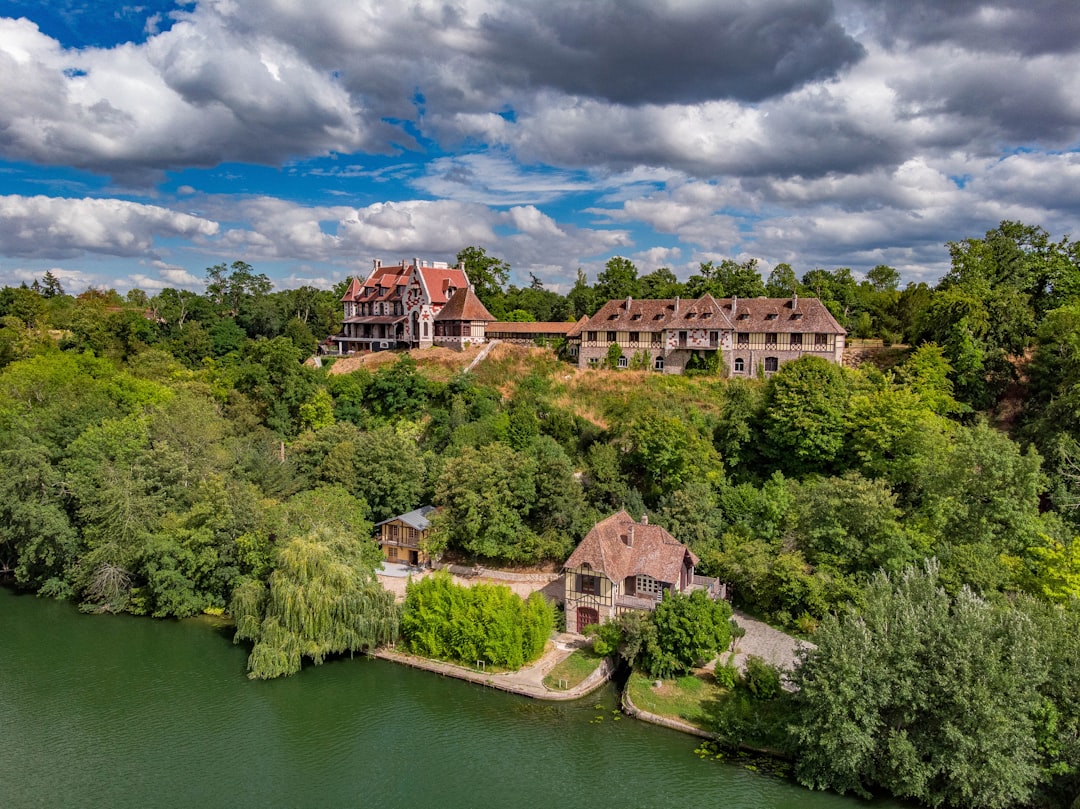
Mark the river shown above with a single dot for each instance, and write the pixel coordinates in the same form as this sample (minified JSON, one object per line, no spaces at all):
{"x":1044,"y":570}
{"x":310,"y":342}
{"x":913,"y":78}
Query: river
{"x":117,"y":711}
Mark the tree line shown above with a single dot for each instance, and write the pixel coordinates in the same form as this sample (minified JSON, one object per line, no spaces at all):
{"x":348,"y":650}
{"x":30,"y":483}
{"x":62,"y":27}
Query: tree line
{"x":171,"y":454}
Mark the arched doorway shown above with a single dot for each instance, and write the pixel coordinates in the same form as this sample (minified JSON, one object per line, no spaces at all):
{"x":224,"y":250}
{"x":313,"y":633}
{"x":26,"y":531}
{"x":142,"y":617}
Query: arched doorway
{"x":586,"y":616}
{"x":414,"y":336}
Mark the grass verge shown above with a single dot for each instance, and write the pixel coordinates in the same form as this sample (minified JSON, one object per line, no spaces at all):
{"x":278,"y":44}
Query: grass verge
{"x":573,"y":670}
{"x":734,"y":714}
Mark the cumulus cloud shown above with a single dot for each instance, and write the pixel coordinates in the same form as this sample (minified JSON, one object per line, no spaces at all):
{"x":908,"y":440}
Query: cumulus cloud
{"x":53,"y":227}
{"x":809,"y":131}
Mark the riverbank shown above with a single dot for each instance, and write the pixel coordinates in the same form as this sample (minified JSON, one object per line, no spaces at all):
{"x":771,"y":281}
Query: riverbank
{"x":527,"y":681}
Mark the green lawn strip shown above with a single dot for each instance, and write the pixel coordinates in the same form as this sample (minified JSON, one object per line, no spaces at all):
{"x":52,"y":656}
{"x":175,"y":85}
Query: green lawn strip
{"x":733,"y":714}
{"x":573,"y":670}
{"x":682,"y":698}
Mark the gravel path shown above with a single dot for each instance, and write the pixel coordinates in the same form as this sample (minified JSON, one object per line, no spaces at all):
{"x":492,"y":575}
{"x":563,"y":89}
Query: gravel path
{"x":770,"y":644}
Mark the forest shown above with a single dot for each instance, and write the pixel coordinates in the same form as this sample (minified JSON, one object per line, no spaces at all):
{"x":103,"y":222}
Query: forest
{"x":916,"y":518}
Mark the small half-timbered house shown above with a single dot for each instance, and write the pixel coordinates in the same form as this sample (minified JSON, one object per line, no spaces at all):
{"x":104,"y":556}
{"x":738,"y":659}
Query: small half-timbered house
{"x":624,"y":565}
{"x":401,"y":537}
{"x":463,"y":321}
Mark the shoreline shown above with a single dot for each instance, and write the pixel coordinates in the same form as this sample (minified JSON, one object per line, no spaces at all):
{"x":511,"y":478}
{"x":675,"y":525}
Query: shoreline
{"x":525,"y":682}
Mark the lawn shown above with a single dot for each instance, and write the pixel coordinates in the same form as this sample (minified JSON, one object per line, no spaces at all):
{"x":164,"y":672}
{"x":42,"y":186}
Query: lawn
{"x":573,"y":670}
{"x":733,"y":714}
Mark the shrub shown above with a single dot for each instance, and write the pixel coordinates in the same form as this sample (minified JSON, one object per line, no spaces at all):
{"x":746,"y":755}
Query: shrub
{"x":761,"y":679}
{"x":485,"y":622}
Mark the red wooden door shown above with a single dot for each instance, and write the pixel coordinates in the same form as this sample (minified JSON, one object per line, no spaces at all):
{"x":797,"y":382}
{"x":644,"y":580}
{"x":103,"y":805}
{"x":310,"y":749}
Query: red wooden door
{"x":586,"y":616}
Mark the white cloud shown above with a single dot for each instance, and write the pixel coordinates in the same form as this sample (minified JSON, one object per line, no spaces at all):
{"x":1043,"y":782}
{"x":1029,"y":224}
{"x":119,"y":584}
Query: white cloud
{"x":55,"y":227}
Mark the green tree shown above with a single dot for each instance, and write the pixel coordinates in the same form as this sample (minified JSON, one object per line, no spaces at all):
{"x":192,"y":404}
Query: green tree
{"x":928,"y":695}
{"x":618,"y":279}
{"x":690,"y":630}
{"x":582,"y":298}
{"x":322,"y":599}
{"x":488,"y":276}
{"x":661,"y":284}
{"x":803,"y":415}
{"x":486,"y":497}
{"x":782,"y":282}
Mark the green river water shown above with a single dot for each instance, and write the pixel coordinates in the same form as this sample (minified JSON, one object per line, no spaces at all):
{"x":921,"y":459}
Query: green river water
{"x":116,"y":711}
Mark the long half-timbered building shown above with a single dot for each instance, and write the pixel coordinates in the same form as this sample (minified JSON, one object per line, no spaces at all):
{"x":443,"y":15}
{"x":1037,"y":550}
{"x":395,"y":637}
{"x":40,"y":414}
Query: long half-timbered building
{"x":752,"y":336}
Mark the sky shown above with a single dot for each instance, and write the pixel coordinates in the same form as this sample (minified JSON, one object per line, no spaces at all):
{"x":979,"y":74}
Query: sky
{"x":142,"y":143}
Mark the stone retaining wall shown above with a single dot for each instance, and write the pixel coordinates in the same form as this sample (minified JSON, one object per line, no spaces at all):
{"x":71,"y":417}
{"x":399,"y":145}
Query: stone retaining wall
{"x":500,"y":575}
{"x":630,"y":709}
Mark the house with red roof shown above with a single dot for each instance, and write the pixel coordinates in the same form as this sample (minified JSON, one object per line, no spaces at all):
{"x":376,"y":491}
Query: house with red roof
{"x":463,"y":321}
{"x":624,"y":565}
{"x":396,"y":305}
{"x":750,"y":336}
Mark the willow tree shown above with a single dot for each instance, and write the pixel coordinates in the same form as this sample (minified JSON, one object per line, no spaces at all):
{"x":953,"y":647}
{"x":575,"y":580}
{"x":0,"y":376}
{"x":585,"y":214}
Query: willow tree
{"x":322,"y":599}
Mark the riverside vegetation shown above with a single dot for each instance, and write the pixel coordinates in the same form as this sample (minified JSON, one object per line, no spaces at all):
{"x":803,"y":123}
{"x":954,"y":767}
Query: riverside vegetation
{"x":169,"y":455}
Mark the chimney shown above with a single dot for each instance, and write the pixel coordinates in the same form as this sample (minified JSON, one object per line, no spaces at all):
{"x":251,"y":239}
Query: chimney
{"x":416,"y":262}
{"x":630,"y":536}
{"x":734,"y":305}
{"x":644,"y":518}
{"x":628,"y":300}
{"x":676,"y":304}
{"x":378,"y":263}
{"x":794,"y":301}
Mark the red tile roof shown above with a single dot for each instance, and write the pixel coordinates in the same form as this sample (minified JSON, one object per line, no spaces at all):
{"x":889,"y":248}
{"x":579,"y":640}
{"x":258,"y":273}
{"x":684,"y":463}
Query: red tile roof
{"x":541,"y":327}
{"x":464,"y":305}
{"x":738,"y":314}
{"x":654,"y":552}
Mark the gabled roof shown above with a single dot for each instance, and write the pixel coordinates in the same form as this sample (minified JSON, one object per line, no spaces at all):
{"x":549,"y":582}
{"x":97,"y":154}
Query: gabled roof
{"x":438,"y":281}
{"x":792,"y":314}
{"x":739,"y":314}
{"x":704,"y":313}
{"x":464,"y":305}
{"x":417,"y":518}
{"x":576,"y":331}
{"x":627,"y":314}
{"x":653,"y":552}
{"x":353,"y":290}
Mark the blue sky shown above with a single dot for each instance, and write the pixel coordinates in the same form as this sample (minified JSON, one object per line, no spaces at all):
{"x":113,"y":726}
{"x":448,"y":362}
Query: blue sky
{"x":141,"y":143}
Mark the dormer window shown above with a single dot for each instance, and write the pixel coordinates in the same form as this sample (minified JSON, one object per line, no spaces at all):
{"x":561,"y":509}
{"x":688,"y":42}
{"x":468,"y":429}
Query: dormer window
{"x":797,"y":316}
{"x":636,"y":316}
{"x":613,"y":316}
{"x":691,"y":315}
{"x":705,"y":315}
{"x":658,"y":316}
{"x":771,"y":316}
{"x":744,"y":316}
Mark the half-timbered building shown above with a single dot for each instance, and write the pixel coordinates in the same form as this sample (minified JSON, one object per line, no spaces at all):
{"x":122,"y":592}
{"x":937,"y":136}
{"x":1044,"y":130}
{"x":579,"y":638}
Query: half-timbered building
{"x":624,"y":565}
{"x":752,"y":336}
{"x":401,"y":537}
{"x":463,"y":321}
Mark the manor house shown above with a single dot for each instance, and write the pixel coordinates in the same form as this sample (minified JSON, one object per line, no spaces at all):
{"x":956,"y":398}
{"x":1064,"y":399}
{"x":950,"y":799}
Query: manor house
{"x":750,"y":335}
{"x":397,"y":304}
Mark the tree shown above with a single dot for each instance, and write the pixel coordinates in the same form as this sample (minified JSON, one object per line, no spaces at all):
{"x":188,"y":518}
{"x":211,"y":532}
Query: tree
{"x":582,"y":298}
{"x":928,"y":695}
{"x":782,"y":282}
{"x":884,"y":278}
{"x":690,"y":629}
{"x":486,"y":497}
{"x":322,"y":599}
{"x":661,"y":284}
{"x":803,"y":414}
{"x":487,"y":274}
{"x":50,"y":285}
{"x":485,"y":622}
{"x":618,"y":279}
